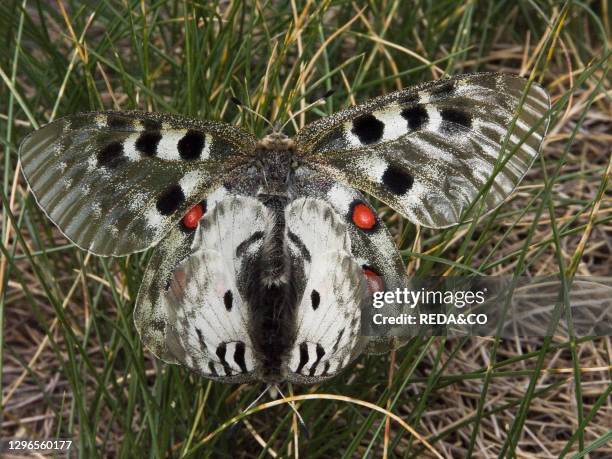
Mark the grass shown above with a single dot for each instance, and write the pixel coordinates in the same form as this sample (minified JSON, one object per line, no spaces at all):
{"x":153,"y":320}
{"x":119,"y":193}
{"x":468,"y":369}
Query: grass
{"x":71,"y":363}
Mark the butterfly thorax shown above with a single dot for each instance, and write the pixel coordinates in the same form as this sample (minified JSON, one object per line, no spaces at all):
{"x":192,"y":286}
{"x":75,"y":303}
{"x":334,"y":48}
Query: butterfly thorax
{"x":276,"y":164}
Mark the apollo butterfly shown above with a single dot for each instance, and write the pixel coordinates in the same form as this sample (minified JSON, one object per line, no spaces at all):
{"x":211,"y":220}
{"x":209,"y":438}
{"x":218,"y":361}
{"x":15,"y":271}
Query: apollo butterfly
{"x":265,"y":250}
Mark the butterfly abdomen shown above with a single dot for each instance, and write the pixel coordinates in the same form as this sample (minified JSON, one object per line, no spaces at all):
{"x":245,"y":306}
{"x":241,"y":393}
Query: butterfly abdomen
{"x":272,"y":311}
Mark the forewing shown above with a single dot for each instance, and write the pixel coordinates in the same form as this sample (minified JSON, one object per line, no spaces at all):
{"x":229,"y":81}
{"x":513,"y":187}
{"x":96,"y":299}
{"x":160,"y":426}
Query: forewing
{"x":329,"y":312}
{"x":116,"y":182}
{"x":190,"y":309}
{"x":428,"y":151}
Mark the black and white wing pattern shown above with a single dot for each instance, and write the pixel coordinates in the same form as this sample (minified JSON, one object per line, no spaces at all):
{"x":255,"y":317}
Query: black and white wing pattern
{"x":372,"y":246}
{"x":427,"y":151}
{"x":190,"y":308}
{"x":116,"y":182}
{"x":328,"y":316}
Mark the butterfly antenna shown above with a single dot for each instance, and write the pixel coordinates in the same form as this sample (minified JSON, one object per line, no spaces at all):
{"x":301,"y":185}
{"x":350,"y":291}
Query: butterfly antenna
{"x":319,"y":101}
{"x":257,"y":399}
{"x":251,"y":405}
{"x":239,"y":103}
{"x":292,"y":405}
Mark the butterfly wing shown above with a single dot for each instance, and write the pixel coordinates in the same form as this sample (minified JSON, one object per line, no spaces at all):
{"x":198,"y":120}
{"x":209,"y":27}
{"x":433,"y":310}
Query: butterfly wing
{"x":372,"y":246}
{"x":427,"y":151}
{"x":328,"y":316}
{"x":117,"y":182}
{"x":190,"y":308}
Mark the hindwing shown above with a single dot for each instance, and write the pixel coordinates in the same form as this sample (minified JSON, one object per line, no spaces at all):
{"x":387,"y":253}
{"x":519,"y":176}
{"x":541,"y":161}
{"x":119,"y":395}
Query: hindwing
{"x":190,"y":308}
{"x":371,"y":245}
{"x":328,"y":314}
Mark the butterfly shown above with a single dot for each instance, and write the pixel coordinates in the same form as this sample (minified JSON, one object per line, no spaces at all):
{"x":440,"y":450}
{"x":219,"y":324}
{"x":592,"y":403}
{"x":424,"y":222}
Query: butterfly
{"x":267,"y":251}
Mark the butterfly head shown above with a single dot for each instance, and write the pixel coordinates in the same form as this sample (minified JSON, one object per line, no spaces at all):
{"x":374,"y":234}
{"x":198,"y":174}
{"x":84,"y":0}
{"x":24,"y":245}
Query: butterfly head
{"x":277,"y":141}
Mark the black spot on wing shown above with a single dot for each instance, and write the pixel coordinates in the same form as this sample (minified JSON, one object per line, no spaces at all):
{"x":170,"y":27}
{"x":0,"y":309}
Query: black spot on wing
{"x":445,"y":88}
{"x":303,"y":357}
{"x":201,"y":340}
{"x":228,"y":299}
{"x":300,"y":245}
{"x":452,"y":117}
{"x":335,"y":348}
{"x":368,"y":129}
{"x":147,"y":143}
{"x":111,"y":155}
{"x":320,"y":354}
{"x":239,"y":356}
{"x":221,"y":350}
{"x":397,"y":180}
{"x":151,"y":125}
{"x":315,"y":298}
{"x":244,"y":245}
{"x":416,"y":116}
{"x":211,"y":367}
{"x":170,"y":200}
{"x":191,"y":145}
{"x":118,"y":122}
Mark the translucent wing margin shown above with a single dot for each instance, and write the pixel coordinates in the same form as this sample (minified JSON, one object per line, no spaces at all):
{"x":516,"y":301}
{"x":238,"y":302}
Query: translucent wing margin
{"x":116,"y":182}
{"x":427,"y":151}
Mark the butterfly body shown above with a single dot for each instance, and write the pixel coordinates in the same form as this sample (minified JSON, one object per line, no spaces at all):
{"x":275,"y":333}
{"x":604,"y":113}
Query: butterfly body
{"x":271,"y":281}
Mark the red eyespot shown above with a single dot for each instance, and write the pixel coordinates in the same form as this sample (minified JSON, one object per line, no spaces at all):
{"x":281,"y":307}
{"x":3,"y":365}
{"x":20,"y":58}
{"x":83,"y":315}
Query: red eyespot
{"x":192,"y":218}
{"x":363,"y":217}
{"x":375,"y":282}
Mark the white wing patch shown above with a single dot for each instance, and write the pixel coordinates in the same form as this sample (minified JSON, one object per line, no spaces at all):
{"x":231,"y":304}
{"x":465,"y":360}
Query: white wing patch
{"x":395,"y":125}
{"x":206,"y":310}
{"x":373,"y":167}
{"x":166,"y":148}
{"x":129,"y":149}
{"x":328,"y":315}
{"x":190,"y":181}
